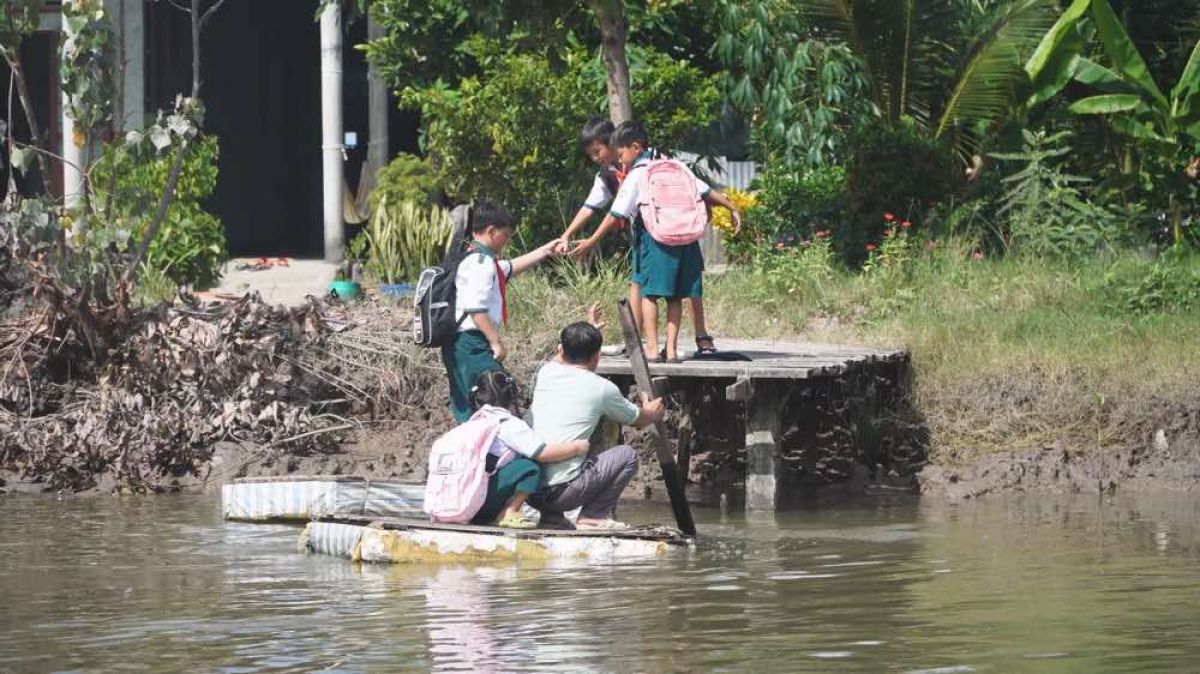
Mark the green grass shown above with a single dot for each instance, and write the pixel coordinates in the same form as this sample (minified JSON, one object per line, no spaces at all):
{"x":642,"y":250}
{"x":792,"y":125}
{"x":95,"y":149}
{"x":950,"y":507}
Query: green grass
{"x":1009,"y":353}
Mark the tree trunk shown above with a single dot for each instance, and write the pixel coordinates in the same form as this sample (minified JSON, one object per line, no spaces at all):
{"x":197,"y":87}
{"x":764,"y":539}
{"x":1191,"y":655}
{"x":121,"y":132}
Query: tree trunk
{"x":614,"y":33}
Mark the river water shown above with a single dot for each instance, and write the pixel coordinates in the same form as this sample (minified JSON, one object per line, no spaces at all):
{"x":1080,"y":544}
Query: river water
{"x":1032,"y":584}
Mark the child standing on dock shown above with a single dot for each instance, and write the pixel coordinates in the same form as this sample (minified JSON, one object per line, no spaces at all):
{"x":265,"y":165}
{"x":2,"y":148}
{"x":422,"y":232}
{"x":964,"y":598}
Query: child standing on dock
{"x":481,"y":285}
{"x":663,"y":271}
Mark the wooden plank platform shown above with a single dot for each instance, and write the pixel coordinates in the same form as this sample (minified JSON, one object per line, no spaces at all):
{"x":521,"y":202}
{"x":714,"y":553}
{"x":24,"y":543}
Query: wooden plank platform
{"x":769,"y":360}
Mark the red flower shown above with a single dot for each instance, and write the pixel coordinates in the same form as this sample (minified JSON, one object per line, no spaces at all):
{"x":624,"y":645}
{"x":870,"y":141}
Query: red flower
{"x":871,"y":247}
{"x":977,"y":255}
{"x":889,"y":216}
{"x":906,"y":224}
{"x":822,"y":234}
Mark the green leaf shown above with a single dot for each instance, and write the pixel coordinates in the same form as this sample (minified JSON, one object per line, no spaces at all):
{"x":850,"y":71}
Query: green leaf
{"x":1053,"y":62}
{"x":1122,"y":50}
{"x":1106,"y":104}
{"x":1186,"y":89}
{"x":1141,"y":131}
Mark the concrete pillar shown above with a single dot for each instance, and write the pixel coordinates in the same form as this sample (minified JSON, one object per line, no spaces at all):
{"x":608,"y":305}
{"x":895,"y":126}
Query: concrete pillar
{"x":377,"y":115}
{"x":133,"y":88}
{"x":332,"y":150}
{"x":72,"y":151}
{"x":763,"y":429}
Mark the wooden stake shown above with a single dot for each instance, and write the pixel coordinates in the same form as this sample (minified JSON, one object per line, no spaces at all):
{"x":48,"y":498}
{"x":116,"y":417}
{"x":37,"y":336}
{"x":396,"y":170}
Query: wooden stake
{"x":666,"y":459}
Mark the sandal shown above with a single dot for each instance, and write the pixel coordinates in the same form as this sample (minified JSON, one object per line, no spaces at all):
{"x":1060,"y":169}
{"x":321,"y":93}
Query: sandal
{"x":516,"y":521}
{"x":702,"y":350}
{"x":607,"y":524}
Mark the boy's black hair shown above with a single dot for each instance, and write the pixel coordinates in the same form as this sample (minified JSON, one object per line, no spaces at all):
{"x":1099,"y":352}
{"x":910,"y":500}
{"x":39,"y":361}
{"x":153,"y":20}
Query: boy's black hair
{"x":629,"y":132}
{"x":496,"y":388}
{"x":485,"y":213}
{"x":580,"y":341}
{"x":596,"y":129}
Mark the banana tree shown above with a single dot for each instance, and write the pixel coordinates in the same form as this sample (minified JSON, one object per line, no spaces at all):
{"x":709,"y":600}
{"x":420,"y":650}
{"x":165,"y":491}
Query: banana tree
{"x":1164,"y":126}
{"x":954,"y":92}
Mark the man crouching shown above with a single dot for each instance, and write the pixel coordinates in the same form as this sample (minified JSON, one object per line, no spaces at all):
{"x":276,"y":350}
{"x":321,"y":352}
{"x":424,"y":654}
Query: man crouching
{"x":569,"y":400}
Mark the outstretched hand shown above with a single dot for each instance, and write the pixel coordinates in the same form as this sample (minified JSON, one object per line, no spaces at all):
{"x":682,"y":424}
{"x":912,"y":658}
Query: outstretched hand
{"x":595,"y":316}
{"x":581,"y":249}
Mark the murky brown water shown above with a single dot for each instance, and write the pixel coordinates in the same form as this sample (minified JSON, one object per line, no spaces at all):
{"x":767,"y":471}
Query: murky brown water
{"x":1037,"y":584}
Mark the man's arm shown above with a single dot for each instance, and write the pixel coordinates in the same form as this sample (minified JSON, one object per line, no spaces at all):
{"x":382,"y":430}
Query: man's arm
{"x":534,"y":258}
{"x":649,"y":412}
{"x":560,"y":451}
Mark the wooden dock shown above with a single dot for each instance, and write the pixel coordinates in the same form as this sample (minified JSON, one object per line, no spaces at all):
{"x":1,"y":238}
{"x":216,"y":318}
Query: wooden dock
{"x":757,"y":383}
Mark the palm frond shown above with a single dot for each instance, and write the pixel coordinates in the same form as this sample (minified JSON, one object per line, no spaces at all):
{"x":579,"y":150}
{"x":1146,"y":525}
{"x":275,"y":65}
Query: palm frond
{"x":986,"y":86}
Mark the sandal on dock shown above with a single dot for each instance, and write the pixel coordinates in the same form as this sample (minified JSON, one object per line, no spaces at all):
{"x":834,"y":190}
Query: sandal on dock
{"x":701,"y":349}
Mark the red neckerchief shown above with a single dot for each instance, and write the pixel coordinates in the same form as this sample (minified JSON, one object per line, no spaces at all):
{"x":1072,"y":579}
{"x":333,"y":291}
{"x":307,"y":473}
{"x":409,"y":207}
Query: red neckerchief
{"x":620,"y":173}
{"x":503,"y":281}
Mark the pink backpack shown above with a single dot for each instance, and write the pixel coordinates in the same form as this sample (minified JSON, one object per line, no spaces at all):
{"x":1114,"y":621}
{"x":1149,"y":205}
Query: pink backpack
{"x":671,"y":208}
{"x":458,"y":477}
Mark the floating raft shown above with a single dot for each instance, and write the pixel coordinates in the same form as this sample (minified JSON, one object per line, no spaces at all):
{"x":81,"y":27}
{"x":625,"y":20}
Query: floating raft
{"x":399,"y":540}
{"x":302,"y":498}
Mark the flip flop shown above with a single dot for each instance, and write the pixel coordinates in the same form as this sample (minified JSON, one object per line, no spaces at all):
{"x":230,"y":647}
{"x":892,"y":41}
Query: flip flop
{"x":517,"y":521}
{"x":705,"y":350}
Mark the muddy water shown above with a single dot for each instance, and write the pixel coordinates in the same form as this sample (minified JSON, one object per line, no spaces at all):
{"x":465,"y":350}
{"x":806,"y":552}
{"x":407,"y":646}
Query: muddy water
{"x":1039,"y":584}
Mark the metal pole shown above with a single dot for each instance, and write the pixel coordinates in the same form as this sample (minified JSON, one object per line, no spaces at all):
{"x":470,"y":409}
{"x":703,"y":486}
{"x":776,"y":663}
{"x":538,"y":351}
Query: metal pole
{"x":332,"y":150}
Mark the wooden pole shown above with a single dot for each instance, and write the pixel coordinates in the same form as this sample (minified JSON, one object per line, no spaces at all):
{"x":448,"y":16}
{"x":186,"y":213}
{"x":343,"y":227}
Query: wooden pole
{"x":666,"y":459}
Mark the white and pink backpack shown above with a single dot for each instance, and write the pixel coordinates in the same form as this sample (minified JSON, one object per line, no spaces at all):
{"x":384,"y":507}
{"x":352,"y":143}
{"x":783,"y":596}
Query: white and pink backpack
{"x":458,"y":476}
{"x":671,"y":207}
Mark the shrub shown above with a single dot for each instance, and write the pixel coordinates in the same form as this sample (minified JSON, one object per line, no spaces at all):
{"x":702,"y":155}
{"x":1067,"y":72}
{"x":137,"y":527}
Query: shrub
{"x":405,"y":178}
{"x":399,"y":241}
{"x":799,"y":271}
{"x":509,"y":133}
{"x":1046,"y":211}
{"x":1169,"y":284}
{"x":129,"y":180}
{"x":892,"y":169}
{"x":796,"y":204}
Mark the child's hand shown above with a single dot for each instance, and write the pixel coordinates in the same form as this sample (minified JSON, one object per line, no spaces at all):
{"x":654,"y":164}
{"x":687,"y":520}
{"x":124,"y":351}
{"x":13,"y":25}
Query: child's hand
{"x":562,"y":246}
{"x":499,"y":352}
{"x":550,"y":248}
{"x":595,"y":317}
{"x":581,"y":249}
{"x":736,"y":217}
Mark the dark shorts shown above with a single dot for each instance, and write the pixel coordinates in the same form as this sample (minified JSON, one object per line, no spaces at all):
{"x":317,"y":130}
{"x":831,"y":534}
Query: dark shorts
{"x":465,"y":359}
{"x":670,"y":272}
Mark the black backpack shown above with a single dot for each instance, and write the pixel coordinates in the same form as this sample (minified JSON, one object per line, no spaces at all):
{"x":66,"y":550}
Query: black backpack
{"x":434,"y":299}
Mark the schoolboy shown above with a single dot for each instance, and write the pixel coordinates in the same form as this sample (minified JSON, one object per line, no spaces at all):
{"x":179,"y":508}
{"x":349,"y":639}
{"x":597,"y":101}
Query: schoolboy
{"x":481,"y":286}
{"x":668,"y":272}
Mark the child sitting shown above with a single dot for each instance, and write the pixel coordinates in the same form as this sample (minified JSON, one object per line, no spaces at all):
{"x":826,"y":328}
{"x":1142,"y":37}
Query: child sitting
{"x":664,"y":271}
{"x":495,"y":395}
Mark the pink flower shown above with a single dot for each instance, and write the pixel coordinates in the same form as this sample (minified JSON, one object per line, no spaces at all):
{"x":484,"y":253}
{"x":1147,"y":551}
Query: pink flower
{"x":906,"y":224}
{"x":977,"y":255}
{"x":822,"y":234}
{"x":871,"y":247}
{"x":779,"y":245}
{"x":889,"y":216}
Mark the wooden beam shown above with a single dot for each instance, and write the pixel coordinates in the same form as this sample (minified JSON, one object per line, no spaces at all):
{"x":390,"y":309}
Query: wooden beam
{"x":739,"y":391}
{"x":658,"y":438}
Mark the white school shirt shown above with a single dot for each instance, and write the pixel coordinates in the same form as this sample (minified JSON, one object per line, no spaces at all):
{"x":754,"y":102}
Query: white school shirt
{"x":625,"y":205}
{"x":513,"y":434}
{"x":476,"y":289}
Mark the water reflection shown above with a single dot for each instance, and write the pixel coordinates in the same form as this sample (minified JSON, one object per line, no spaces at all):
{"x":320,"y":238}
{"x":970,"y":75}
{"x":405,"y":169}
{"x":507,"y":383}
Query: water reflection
{"x":1038,"y":584}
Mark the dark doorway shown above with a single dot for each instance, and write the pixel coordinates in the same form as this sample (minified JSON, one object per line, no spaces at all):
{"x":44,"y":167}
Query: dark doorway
{"x":260,"y":65}
{"x":263,"y":93}
{"x":40,"y":66}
